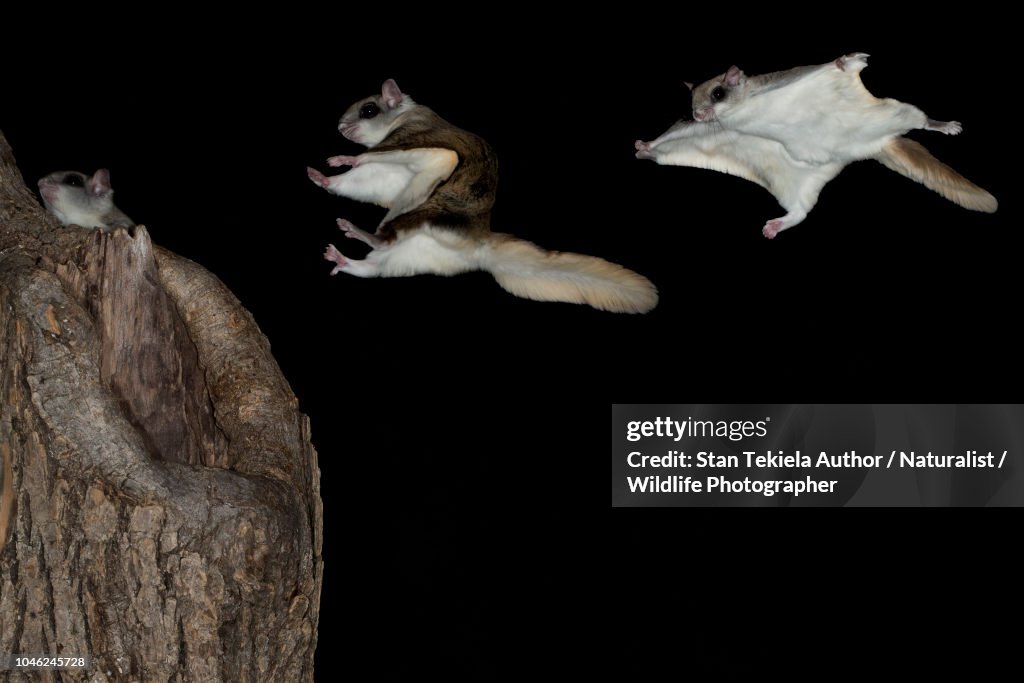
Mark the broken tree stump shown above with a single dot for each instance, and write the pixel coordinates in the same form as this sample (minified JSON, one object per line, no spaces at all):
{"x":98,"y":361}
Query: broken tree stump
{"x":159,"y":494}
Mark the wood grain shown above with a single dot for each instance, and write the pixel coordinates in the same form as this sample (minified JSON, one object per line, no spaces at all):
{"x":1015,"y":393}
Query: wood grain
{"x":159,"y":504}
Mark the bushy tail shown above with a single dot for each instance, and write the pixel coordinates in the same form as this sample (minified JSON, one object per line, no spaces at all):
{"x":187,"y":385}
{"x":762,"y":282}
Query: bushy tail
{"x":526,"y":270}
{"x":911,"y":159}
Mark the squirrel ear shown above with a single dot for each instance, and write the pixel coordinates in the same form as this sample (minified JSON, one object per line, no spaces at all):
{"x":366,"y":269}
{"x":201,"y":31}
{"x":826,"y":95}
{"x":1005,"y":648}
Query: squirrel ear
{"x":733,"y":76}
{"x":391,"y":94}
{"x":99,"y":183}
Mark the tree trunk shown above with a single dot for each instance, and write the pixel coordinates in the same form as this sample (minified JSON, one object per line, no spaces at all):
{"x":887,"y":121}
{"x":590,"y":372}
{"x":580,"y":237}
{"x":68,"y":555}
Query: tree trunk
{"x":159,"y":495}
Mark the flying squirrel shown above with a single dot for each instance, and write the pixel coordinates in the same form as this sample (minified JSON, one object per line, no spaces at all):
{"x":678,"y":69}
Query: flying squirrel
{"x":793,"y":131}
{"x":87,"y":201}
{"x":438,"y":183}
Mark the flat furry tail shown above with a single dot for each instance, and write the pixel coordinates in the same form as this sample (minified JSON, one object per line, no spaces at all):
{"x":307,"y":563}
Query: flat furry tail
{"x":524,"y":269}
{"x":911,"y":159}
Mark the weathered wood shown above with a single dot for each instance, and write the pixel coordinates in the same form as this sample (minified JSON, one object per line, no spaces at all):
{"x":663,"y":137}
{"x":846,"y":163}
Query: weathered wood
{"x":159,"y":494}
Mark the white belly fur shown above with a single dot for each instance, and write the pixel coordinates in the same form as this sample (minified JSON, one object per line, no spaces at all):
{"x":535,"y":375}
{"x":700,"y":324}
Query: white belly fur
{"x":828,"y":117}
{"x":427,"y":250}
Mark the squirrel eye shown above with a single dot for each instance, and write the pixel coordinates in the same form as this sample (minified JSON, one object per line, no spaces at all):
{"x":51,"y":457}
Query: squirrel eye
{"x":368,"y":110}
{"x":73,"y":180}
{"x":718,"y":94}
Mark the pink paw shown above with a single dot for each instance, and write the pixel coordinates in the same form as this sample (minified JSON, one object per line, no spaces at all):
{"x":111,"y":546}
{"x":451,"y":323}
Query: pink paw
{"x":317,"y":177}
{"x":643,"y":150}
{"x":947,"y":127}
{"x":772,"y":228}
{"x":334,"y":256}
{"x":342,"y":160}
{"x":352,"y":232}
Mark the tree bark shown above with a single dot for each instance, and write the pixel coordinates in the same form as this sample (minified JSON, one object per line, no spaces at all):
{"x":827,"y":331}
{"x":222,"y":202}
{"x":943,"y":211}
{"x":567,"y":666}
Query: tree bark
{"x":159,"y":495}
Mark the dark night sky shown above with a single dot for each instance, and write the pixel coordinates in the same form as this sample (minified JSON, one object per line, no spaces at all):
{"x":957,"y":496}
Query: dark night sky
{"x":456,"y":424}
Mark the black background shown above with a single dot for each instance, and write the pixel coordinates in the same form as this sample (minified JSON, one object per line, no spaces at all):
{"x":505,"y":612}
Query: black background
{"x":458,"y":427}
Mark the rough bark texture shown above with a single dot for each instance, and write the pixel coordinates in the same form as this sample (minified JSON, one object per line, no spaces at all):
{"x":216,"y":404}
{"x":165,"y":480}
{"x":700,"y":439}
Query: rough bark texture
{"x":159,"y":496}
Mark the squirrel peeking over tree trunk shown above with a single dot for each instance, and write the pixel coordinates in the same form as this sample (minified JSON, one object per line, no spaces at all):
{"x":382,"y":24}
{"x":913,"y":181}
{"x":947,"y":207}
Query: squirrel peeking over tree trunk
{"x":160,"y":505}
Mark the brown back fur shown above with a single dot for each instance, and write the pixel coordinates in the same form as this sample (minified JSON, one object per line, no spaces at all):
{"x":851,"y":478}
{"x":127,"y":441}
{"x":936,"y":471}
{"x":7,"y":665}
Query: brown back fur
{"x":465,"y":199}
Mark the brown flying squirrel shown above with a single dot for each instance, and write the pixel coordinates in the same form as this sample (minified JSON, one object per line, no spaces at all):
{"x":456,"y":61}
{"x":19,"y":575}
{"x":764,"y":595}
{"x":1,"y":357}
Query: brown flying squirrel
{"x":438,"y":183}
{"x":793,"y":131}
{"x":87,"y":201}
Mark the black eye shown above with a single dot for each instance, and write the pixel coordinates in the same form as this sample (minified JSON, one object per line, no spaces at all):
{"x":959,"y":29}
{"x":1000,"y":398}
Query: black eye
{"x":718,"y":94}
{"x":73,"y":180}
{"x":368,"y":110}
